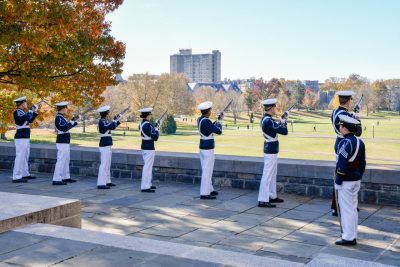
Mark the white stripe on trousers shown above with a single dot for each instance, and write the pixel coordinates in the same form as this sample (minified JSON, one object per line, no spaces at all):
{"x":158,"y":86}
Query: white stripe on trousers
{"x":268,"y":180}
{"x":348,"y":203}
{"x":147,"y":172}
{"x":22,"y":149}
{"x":104,"y":176}
{"x":61,"y":170}
{"x":207,"y":158}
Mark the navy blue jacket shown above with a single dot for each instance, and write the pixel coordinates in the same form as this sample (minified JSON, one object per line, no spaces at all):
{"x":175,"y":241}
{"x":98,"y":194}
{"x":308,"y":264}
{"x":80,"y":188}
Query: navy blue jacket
{"x":335,"y":120}
{"x":351,"y":161}
{"x":105,"y":128}
{"x":149,"y":134}
{"x":206,"y":129}
{"x":63,"y":127}
{"x":23,"y":119}
{"x":271,"y":129}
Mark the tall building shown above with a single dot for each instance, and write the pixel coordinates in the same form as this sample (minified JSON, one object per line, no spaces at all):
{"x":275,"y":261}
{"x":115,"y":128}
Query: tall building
{"x":199,"y":68}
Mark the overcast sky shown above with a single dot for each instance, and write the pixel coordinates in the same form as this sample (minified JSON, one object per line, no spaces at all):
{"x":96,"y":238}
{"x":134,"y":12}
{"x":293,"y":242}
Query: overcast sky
{"x":293,"y":39}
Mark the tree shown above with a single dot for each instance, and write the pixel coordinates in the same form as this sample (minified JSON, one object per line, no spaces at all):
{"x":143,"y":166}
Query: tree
{"x":169,"y":126}
{"x":381,"y":95}
{"x":298,"y":93}
{"x":237,"y":104}
{"x":310,"y":99}
{"x":58,"y":49}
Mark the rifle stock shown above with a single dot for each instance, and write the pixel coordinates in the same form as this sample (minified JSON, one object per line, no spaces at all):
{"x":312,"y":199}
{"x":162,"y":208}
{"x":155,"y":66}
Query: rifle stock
{"x":160,"y":120}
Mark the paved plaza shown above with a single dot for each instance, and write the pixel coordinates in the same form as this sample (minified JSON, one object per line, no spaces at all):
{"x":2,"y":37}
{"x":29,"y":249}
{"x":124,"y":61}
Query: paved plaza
{"x":300,"y":230}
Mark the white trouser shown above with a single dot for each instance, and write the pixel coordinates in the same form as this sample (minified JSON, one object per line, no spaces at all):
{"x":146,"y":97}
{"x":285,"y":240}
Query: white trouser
{"x":22,"y":148}
{"x":62,"y":166}
{"x":268,"y":180}
{"x":348,"y":202}
{"x":104,"y":176}
{"x":147,"y":172}
{"x":207,"y":166}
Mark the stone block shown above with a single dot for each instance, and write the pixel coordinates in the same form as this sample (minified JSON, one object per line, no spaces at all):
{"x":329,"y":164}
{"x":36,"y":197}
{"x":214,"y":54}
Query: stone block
{"x":46,"y":168}
{"x":252,"y":185}
{"x":182,"y":178}
{"x":125,"y":174}
{"x":312,"y":190}
{"x":237,"y":183}
{"x":299,"y":189}
{"x":115,"y":173}
{"x":231,"y":175}
{"x":390,"y":188}
{"x":247,"y":176}
{"x":368,"y":196}
{"x":222,"y":181}
{"x":371,"y":186}
{"x":388,"y":198}
{"x":326,"y":191}
{"x":385,"y":176}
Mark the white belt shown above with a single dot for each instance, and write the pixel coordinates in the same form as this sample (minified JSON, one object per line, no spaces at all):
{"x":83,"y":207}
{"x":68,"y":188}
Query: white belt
{"x":21,"y":127}
{"x":61,"y":132}
{"x":269,"y":139}
{"x":105,"y":135}
{"x":146,"y":138}
{"x":210,"y":137}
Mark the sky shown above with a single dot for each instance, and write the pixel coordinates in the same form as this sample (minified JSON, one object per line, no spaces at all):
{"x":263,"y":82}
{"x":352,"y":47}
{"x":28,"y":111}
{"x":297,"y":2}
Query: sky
{"x":292,"y":39}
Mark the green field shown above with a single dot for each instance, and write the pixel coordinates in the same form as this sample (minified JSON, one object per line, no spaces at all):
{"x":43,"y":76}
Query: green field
{"x":301,"y":143}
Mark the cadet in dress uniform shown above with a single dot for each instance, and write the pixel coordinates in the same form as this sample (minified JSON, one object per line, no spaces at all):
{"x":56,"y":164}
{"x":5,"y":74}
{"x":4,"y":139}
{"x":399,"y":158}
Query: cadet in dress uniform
{"x":207,"y":129}
{"x":345,"y":98}
{"x":61,"y":173}
{"x":22,"y":120}
{"x":350,"y":168}
{"x":105,"y":127}
{"x":149,"y":134}
{"x":270,"y":129}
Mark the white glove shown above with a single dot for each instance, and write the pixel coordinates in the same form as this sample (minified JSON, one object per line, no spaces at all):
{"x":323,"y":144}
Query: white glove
{"x":117,"y":117}
{"x":283,"y":121}
{"x":356,"y":116}
{"x":34,"y":108}
{"x":157,"y":130}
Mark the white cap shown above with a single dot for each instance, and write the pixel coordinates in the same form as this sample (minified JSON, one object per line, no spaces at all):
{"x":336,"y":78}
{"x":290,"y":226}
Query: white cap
{"x":62,"y":104}
{"x":205,"y":105}
{"x":269,"y":102}
{"x":103,"y":109}
{"x":20,"y":99}
{"x":345,"y":93}
{"x":145,"y":110}
{"x":349,"y":120}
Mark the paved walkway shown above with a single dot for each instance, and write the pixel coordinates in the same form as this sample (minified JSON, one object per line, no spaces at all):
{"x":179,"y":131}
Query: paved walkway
{"x":299,"y":230}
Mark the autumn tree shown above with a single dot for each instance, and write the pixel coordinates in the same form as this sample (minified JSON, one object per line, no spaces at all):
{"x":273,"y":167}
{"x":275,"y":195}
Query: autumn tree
{"x":237,"y":104}
{"x":58,"y":49}
{"x":298,"y":93}
{"x":381,"y":95}
{"x":310,"y":99}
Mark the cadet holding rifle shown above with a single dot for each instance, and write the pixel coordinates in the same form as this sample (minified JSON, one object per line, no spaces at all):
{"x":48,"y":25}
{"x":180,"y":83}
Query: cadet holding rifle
{"x":22,"y":120}
{"x":345,"y":98}
{"x":149,"y":134}
{"x":207,"y":129}
{"x":106,"y":142}
{"x":271,"y":129}
{"x":61,"y":173}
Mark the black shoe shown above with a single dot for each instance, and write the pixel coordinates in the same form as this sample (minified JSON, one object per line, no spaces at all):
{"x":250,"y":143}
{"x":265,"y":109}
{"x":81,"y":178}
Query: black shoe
{"x":103,"y":187}
{"x":59,"y":183}
{"x":30,"y":177}
{"x":343,"y":242}
{"x":22,"y":180}
{"x":275,"y":200}
{"x":334,"y":213}
{"x":207,"y":197}
{"x":69,"y":180}
{"x":214,"y":193}
{"x":110,"y":184}
{"x":148,"y":190}
{"x":265,"y":205}
{"x":153,"y":187}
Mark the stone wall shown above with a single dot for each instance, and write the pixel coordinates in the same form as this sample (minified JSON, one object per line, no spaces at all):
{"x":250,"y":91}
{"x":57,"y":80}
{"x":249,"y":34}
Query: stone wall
{"x":380,"y":184}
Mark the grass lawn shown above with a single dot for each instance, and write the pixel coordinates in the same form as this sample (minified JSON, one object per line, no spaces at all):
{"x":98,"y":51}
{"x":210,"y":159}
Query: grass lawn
{"x":383,"y":146}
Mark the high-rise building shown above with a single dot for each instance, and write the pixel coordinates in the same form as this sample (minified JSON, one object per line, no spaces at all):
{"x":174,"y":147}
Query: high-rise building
{"x":199,"y":68}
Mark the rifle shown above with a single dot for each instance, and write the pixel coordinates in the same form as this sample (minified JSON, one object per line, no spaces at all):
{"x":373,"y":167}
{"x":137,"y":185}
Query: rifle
{"x":160,"y":120}
{"x":42,"y":100}
{"x":357,"y":106}
{"x":286,"y":113}
{"x":221,"y":114}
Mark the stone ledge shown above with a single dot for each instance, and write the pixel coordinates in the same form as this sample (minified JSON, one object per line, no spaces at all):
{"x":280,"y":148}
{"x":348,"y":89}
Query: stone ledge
{"x":19,"y":210}
{"x":382,"y":174}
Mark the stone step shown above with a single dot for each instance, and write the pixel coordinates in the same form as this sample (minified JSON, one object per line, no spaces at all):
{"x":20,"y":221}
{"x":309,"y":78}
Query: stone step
{"x":184,"y":251}
{"x":20,"y":209}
